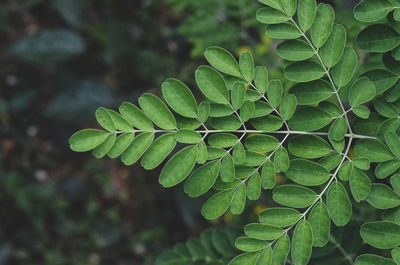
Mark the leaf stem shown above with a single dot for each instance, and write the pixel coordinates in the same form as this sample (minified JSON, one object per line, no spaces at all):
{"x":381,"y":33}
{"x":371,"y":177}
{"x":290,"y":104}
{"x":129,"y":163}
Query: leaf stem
{"x":303,"y":34}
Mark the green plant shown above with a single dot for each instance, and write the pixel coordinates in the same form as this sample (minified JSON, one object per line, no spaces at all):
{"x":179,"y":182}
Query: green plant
{"x":332,"y":130}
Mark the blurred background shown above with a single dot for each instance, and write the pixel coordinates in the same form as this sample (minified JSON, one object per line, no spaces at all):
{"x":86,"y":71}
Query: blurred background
{"x":60,"y":60}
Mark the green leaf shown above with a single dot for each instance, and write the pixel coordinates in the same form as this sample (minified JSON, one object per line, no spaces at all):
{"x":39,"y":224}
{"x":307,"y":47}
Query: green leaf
{"x":261,"y":109}
{"x":338,"y":145}
{"x":333,"y":49}
{"x":393,"y":94}
{"x":382,"y":235}
{"x":284,"y":31}
{"x":263,"y":231}
{"x":222,"y":140}
{"x":170,"y":258}
{"x":178,"y":167}
{"x":396,"y":255}
{"x":320,"y":224}
{"x":330,"y":161}
{"x":246,"y":64}
{"x":306,"y":13}
{"x":360,"y":185}
{"x":307,"y":173}
{"x":382,"y":79}
{"x":239,"y":199}
{"x":361,"y":163}
{"x":265,"y":257}
{"x":195,"y":248}
{"x":157,"y":111}
{"x":312,"y":92}
{"x":308,"y":146}
{"x":281,"y":160}
{"x":202,"y":179}
{"x":243,"y":172}
{"x":222,"y":243}
{"x":158,"y":151}
{"x":386,"y":109}
{"x":261,"y":78}
{"x":345,"y":171}
{"x":220,"y":110}
{"x":245,"y":258}
{"x":275,"y":92}
{"x":250,"y":244}
{"x":339,"y":205}
{"x":104,"y":119}
{"x":289,"y":6}
{"x":382,"y":197}
{"x":302,"y":240}
{"x":372,"y":10}
{"x":202,"y":153}
{"x":254,"y":159}
{"x":322,"y":26}
{"x":361,"y":111}
{"x":309,"y":119}
{"x":254,"y":187}
{"x":261,"y":143}
{"x":239,"y":155}
{"x":102,"y":149}
{"x":277,"y":4}
{"x":238,"y":94}
{"x":387,"y":39}
{"x":87,"y":139}
{"x":395,"y":182}
{"x":294,"y":196}
{"x":247,"y":111}
{"x":179,"y":97}
{"x":345,"y":68}
{"x":268,"y":15}
{"x":338,"y":129}
{"x":385,"y":169}
{"x":120,"y":123}
{"x":373,"y":150}
{"x":217,"y":205}
{"x":204,"y":111}
{"x":188,"y":136}
{"x":288,"y":106}
{"x":281,"y":251}
{"x":267,"y":124}
{"x":222,"y":60}
{"x":305,"y":71}
{"x":228,"y":123}
{"x":393,"y":142}
{"x":120,"y":145}
{"x":369,"y":259}
{"x":212,"y":84}
{"x":268,"y":178}
{"x":361,"y":92}
{"x":280,"y":217}
{"x":135,"y":116}
{"x":294,"y":50}
{"x":227,"y":169}
{"x":137,"y":148}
